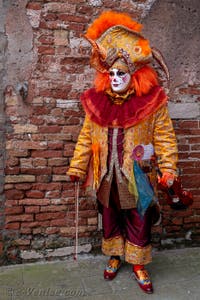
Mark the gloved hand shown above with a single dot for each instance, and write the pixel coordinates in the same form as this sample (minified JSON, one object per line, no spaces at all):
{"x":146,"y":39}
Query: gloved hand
{"x":167,"y":179}
{"x":74,"y":178}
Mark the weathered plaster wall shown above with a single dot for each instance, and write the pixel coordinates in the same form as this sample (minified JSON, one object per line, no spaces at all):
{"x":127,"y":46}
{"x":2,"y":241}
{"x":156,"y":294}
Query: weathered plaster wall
{"x":174,"y":28}
{"x":44,"y":49}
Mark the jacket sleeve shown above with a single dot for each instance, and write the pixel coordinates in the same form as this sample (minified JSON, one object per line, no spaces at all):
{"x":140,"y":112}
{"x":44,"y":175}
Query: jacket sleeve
{"x":165,"y":143}
{"x":82,"y":153}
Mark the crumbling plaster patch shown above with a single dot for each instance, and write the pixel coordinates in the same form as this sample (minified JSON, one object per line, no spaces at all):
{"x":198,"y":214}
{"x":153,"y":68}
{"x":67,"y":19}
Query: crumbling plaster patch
{"x":20,"y":55}
{"x":173,"y":27}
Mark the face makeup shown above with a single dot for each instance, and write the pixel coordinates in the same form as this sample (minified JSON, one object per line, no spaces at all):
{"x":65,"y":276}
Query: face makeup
{"x":119,"y":80}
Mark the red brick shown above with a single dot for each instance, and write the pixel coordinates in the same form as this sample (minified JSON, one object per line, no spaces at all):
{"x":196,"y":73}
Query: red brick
{"x":190,"y":90}
{"x":55,"y":146}
{"x":52,"y":25}
{"x":44,"y":224}
{"x":59,"y":170}
{"x":46,"y":50}
{"x":194,"y":155}
{"x":47,"y":153}
{"x":34,"y":194}
{"x":29,"y":145}
{"x":57,"y":162}
{"x":39,"y":162}
{"x":87,"y":213}
{"x":193,"y":219}
{"x":72,"y":18}
{"x":36,"y":121}
{"x":53,"y":208}
{"x":193,"y":139}
{"x":189,"y":124}
{"x":177,"y":221}
{"x":72,"y":113}
{"x":29,"y":224}
{"x":12,"y":171}
{"x":12,"y":162}
{"x":86,"y":10}
{"x":69,"y":149}
{"x":49,"y":216}
{"x":32,"y":201}
{"x":50,"y":129}
{"x":23,"y":186}
{"x":47,"y":186}
{"x":11,"y":203}
{"x":36,"y":171}
{"x":42,"y":110}
{"x":43,"y":178}
{"x":1,"y":248}
{"x":59,"y":137}
{"x":25,"y":230}
{"x":190,"y":171}
{"x":183,"y":148}
{"x":53,"y":194}
{"x":73,"y":120}
{"x":196,"y":205}
{"x":46,"y":40}
{"x":190,"y":181}
{"x":34,"y":6}
{"x":52,"y":230}
{"x":60,"y":7}
{"x":50,"y":17}
{"x":21,"y":218}
{"x":68,"y":195}
{"x":14,"y":194}
{"x":195,"y":147}
{"x":72,"y":129}
{"x":32,"y":209}
{"x":183,"y":156}
{"x":173,"y":228}
{"x":59,"y":222}
{"x":12,"y":226}
{"x":13,"y":210}
{"x":79,"y":28}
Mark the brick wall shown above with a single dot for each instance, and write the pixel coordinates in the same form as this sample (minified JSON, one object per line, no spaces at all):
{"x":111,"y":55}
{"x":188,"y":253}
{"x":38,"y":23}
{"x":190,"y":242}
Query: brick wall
{"x":42,"y":129}
{"x":3,"y":44}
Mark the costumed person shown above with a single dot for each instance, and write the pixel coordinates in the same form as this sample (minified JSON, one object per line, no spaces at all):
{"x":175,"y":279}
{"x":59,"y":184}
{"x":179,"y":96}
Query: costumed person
{"x":126,"y":127}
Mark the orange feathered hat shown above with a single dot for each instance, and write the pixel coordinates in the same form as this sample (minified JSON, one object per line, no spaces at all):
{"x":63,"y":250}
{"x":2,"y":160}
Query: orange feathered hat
{"x":115,"y":35}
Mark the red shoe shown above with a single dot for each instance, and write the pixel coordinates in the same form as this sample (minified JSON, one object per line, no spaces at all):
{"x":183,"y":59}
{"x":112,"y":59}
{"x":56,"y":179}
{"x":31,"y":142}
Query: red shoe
{"x":112,"y":268}
{"x":143,"y":280}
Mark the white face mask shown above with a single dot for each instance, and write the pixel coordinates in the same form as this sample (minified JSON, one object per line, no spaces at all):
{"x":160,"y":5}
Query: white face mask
{"x":119,"y":80}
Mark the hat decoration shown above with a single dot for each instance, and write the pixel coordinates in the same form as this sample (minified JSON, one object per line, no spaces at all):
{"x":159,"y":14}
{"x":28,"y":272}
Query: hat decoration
{"x":115,"y":36}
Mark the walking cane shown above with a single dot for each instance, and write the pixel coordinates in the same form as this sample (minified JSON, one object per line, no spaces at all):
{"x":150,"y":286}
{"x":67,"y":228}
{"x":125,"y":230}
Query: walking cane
{"x":76,"y":218}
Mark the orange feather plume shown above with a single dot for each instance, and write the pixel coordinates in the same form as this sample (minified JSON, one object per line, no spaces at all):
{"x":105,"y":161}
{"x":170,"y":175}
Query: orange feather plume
{"x":143,"y":80}
{"x":101,"y":81}
{"x":108,"y":19}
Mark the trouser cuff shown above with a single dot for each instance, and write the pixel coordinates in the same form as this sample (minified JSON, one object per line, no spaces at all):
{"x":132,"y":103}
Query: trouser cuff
{"x":113,"y":246}
{"x":137,"y":255}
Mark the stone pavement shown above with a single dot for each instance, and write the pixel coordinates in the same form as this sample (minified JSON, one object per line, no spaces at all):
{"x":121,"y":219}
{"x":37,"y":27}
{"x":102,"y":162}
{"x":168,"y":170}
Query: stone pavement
{"x":175,"y":274}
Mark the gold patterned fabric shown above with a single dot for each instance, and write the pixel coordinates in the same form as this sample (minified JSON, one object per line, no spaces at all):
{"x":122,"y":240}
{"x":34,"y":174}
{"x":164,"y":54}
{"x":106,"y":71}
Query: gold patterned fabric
{"x":113,"y":246}
{"x":137,"y":255}
{"x":120,"y":37}
{"x":133,"y":253}
{"x":156,"y":129}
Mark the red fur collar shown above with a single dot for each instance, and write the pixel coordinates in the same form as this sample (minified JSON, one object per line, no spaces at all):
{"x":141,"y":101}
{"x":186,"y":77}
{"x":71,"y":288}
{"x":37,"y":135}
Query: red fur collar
{"x":102,"y":111}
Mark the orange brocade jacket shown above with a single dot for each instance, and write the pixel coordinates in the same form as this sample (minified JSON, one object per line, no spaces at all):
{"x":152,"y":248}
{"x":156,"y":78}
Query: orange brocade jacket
{"x":145,"y":120}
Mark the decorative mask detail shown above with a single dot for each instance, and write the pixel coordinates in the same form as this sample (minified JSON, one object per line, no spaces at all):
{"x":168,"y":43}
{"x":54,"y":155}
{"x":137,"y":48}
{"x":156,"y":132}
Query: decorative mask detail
{"x":119,"y":80}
